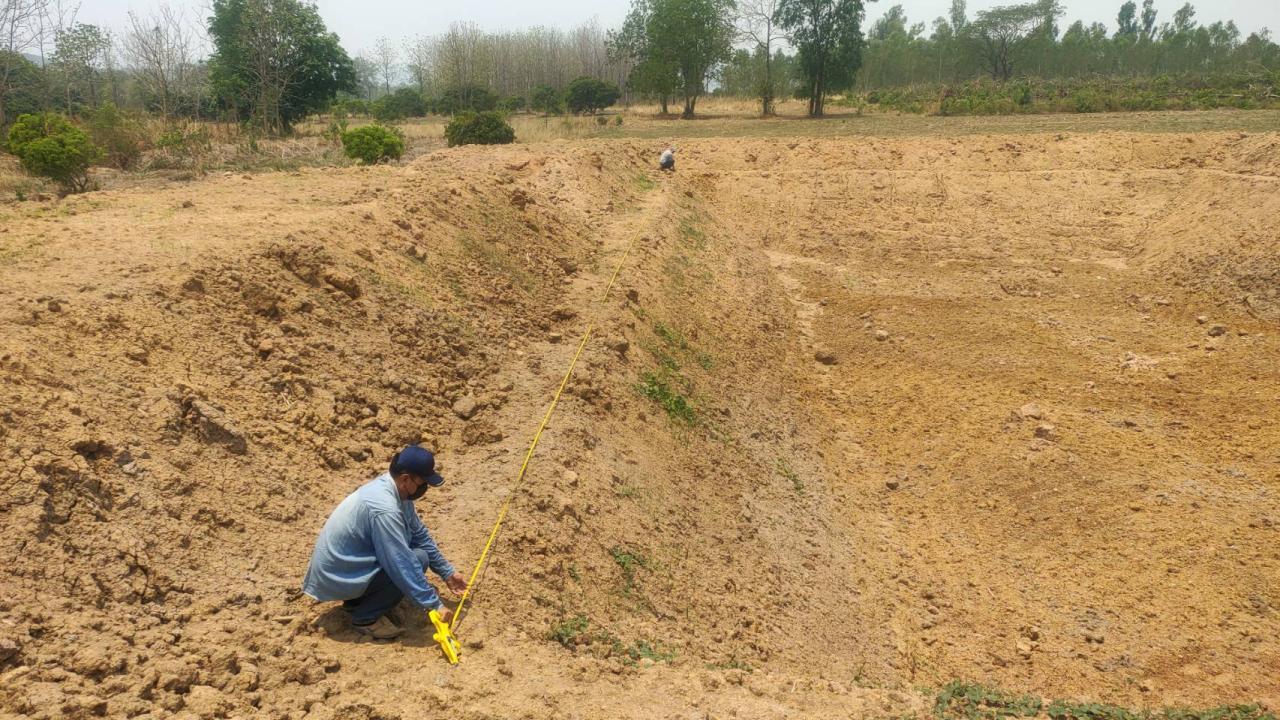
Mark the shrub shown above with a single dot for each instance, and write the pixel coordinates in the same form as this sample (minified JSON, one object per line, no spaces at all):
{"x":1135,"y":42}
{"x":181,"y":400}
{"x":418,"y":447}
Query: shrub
{"x":336,"y":129}
{"x":485,"y":128}
{"x":546,"y":100}
{"x":401,"y":104}
{"x":50,"y":146}
{"x":350,"y":106}
{"x":589,"y":95}
{"x":182,"y":146}
{"x":465,"y":98}
{"x":122,"y":137}
{"x":372,"y":144}
{"x":512,"y":104}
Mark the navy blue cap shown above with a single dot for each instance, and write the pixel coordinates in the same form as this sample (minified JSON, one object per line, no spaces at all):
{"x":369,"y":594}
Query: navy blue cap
{"x":418,"y":461}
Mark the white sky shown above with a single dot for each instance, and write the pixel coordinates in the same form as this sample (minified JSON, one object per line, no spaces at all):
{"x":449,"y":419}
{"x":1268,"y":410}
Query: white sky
{"x":360,"y":24}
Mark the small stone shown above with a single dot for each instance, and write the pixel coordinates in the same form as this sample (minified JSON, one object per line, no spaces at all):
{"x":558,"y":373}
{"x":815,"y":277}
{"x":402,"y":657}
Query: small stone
{"x":620,"y":346}
{"x":564,"y":313}
{"x":1046,"y":431}
{"x":633,"y":295}
{"x":466,"y":407}
{"x":554,"y":337}
{"x":882,"y":335}
{"x":1031,"y":411}
{"x":891,"y":484}
{"x":188,"y":204}
{"x":826,"y":357}
{"x":1217,"y":330}
{"x":1202,"y":319}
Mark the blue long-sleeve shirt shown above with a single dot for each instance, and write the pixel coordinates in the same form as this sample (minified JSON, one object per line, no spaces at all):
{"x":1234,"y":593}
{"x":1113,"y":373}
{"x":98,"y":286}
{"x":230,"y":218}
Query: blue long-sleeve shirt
{"x":372,"y":530}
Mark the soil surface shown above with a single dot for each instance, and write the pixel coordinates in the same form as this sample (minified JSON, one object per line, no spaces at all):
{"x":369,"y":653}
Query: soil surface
{"x":860,"y":417}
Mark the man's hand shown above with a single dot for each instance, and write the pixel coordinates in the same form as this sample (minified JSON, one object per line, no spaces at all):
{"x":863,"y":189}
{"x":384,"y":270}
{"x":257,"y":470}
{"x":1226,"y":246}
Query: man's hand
{"x":457,"y":584}
{"x":445,"y":614}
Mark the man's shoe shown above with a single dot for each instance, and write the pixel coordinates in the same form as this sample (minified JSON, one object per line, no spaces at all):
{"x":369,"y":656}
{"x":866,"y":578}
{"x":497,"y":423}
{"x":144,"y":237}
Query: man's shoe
{"x":380,"y":629}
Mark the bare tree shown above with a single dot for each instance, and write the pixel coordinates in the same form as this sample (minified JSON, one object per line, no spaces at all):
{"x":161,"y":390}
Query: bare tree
{"x":160,"y":48}
{"x":21,"y":29}
{"x":385,"y":55}
{"x":420,"y":61}
{"x":756,"y":25}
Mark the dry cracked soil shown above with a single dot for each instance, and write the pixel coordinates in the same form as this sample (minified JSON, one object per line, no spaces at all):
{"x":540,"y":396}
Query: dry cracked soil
{"x":860,"y":417}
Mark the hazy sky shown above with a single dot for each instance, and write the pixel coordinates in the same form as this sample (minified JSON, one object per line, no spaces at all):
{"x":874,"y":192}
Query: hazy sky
{"x":360,"y":23}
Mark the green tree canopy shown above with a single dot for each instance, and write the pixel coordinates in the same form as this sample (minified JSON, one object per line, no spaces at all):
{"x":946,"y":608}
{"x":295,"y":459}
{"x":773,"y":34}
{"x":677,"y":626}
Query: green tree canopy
{"x":22,"y":86}
{"x":77,"y":58}
{"x":828,"y":38}
{"x":590,"y":95}
{"x":695,"y":36}
{"x":653,"y":74}
{"x":546,"y":100}
{"x":1001,"y":33}
{"x":274,"y":62}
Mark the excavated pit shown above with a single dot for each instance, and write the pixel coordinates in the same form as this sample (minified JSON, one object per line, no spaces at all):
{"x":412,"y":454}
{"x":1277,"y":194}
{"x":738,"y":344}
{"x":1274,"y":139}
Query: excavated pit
{"x":862,"y":416}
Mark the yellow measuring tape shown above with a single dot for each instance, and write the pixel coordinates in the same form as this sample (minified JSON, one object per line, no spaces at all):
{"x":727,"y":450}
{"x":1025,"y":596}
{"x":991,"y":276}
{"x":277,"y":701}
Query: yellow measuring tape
{"x":444,"y":635}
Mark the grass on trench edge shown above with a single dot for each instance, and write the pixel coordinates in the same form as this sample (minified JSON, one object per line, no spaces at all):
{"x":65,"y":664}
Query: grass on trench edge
{"x":974,"y":701}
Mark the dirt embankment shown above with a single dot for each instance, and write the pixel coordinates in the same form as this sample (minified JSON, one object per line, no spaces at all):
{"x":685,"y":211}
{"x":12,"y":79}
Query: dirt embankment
{"x":859,"y":418}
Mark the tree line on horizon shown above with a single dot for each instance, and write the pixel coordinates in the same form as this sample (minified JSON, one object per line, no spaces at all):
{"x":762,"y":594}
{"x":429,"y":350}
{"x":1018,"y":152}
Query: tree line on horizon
{"x":269,"y":63}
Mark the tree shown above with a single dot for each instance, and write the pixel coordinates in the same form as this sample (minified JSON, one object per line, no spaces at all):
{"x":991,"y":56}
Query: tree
{"x":21,"y":26}
{"x":589,"y":95}
{"x":693,"y":36}
{"x":420,"y":57}
{"x":1000,"y":33}
{"x":79,"y":53}
{"x":401,"y":104}
{"x":957,"y":16}
{"x":274,"y":61}
{"x":757,"y":24}
{"x":1127,"y":21}
{"x":651,"y":73}
{"x":546,"y":100}
{"x":827,"y":35}
{"x":386,"y":57}
{"x":161,"y":49}
{"x":466,"y":98}
{"x":1148,"y":19}
{"x":366,"y":72}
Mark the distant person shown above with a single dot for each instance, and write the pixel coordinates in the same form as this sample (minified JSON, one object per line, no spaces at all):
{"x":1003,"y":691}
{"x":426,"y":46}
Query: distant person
{"x":374,"y":549}
{"x":667,"y":160}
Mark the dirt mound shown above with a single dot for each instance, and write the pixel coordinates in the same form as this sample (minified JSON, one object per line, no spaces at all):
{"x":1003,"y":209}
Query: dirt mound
{"x":859,"y":418}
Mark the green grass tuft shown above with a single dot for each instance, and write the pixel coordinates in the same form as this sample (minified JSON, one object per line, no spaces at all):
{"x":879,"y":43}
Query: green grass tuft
{"x":676,"y":405}
{"x":569,"y":629}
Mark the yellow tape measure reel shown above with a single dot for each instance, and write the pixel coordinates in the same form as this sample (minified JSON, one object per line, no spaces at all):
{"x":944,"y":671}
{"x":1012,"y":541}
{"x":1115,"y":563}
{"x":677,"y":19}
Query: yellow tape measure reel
{"x":443,"y":635}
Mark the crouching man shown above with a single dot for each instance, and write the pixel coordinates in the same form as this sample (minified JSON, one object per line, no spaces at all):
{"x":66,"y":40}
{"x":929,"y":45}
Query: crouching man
{"x":374,"y":550}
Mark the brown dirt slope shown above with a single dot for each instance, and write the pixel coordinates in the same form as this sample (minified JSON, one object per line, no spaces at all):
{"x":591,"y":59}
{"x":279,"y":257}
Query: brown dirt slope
{"x":933,"y":409}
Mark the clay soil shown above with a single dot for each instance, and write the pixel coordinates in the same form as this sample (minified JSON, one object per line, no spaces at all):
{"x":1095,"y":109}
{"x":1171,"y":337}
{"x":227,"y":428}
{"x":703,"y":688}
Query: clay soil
{"x":861,"y":417}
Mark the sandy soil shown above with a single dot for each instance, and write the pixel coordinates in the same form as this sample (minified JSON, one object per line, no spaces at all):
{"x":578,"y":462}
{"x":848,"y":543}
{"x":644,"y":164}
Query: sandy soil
{"x":995,"y":408}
